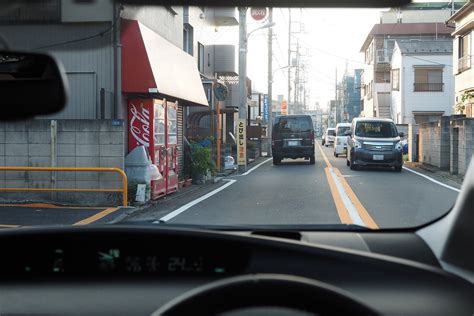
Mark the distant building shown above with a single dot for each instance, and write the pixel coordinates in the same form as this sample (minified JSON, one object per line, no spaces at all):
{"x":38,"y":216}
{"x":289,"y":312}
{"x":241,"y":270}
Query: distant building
{"x":422,"y":83}
{"x":351,"y":97}
{"x":463,"y":59}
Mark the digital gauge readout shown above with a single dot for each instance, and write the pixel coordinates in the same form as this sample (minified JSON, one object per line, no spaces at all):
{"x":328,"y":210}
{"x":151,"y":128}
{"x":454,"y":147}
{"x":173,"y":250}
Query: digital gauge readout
{"x":114,"y":261}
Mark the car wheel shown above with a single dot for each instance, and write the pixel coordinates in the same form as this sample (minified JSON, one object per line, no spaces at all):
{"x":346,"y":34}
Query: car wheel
{"x":312,"y":160}
{"x":398,"y":169}
{"x":336,"y":155}
{"x":276,"y":160}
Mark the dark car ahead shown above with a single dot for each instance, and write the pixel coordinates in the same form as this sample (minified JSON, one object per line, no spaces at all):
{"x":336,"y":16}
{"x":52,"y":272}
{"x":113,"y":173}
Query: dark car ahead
{"x":374,"y":142}
{"x":293,"y":137}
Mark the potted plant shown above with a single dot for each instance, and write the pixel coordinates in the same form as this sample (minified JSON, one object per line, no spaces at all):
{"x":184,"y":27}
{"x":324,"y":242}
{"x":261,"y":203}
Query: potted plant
{"x":201,"y":163}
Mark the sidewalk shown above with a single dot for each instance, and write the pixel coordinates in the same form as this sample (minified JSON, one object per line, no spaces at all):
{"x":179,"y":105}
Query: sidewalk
{"x":156,"y":209}
{"x":436,"y":173}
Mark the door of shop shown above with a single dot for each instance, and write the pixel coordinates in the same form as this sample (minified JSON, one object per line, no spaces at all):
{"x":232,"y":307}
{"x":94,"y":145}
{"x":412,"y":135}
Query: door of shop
{"x":153,"y":124}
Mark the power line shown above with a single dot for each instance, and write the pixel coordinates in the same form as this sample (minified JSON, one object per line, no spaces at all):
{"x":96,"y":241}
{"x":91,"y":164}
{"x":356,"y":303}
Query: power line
{"x":430,"y":61}
{"x":100,"y":34}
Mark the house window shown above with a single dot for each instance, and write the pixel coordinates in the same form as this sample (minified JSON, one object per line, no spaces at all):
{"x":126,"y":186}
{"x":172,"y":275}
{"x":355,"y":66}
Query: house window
{"x":382,"y":77}
{"x":464,"y":53}
{"x":396,"y":79}
{"x":201,"y":57}
{"x":428,"y":79}
{"x":188,"y":39}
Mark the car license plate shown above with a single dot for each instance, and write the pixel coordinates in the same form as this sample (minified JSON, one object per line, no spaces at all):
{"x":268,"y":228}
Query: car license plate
{"x":377,"y":157}
{"x":293,"y":143}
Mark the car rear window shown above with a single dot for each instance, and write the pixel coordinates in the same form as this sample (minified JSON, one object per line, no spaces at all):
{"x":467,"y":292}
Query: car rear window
{"x":341,"y":130}
{"x":376,"y":129}
{"x":293,"y":124}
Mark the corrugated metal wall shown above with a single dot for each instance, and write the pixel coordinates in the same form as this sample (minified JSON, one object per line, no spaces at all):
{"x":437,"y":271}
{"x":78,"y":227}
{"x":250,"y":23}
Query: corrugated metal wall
{"x":88,"y":63}
{"x":180,"y":126}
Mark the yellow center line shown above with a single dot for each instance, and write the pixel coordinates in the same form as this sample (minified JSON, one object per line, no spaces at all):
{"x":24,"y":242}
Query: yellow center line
{"x":341,"y":209}
{"x":97,"y":216}
{"x":9,"y":226}
{"x":364,"y":215}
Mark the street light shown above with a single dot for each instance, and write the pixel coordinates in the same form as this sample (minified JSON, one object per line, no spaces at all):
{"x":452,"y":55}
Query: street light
{"x":243,"y":37}
{"x":266,"y":26}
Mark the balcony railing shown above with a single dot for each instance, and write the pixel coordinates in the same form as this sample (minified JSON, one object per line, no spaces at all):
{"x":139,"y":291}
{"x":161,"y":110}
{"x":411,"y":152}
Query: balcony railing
{"x":464,"y":63}
{"x":429,"y":87}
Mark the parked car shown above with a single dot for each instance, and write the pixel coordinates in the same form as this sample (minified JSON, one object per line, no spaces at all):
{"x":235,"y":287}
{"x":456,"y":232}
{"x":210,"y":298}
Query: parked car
{"x":330,"y":135}
{"x":293,"y":137}
{"x":340,"y":142}
{"x":374,"y":142}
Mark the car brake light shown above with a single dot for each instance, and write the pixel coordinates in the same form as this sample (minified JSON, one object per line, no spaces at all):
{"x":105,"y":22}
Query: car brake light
{"x":312,"y":138}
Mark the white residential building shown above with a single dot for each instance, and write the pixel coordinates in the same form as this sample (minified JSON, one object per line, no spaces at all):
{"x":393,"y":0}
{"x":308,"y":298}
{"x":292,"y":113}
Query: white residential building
{"x":463,"y":59}
{"x":422,"y":82}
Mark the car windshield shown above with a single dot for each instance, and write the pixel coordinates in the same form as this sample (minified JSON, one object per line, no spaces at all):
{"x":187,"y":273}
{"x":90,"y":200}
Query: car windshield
{"x":341,"y":130}
{"x":376,"y":129}
{"x":224,"y":116}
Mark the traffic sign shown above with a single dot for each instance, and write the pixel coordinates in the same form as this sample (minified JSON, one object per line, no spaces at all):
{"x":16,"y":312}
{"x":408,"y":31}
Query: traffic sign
{"x":258,"y":14}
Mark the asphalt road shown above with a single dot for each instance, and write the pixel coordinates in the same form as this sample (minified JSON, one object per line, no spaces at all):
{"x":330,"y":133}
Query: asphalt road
{"x":328,"y":192}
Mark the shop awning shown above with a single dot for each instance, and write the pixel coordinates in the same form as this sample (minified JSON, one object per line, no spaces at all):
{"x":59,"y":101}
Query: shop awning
{"x":152,"y":65}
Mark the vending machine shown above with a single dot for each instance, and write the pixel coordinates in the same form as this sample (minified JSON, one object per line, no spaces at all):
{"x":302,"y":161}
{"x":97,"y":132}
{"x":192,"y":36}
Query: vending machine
{"x":152,"y":123}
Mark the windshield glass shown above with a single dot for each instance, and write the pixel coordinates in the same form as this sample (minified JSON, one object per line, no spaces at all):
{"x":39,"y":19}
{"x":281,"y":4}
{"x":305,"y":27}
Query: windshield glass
{"x":173,"y":119}
{"x":341,"y":130}
{"x":376,"y":129}
{"x":292,"y":124}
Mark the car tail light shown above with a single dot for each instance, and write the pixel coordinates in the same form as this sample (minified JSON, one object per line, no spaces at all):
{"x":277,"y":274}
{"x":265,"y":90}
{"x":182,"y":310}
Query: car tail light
{"x":312,"y":138}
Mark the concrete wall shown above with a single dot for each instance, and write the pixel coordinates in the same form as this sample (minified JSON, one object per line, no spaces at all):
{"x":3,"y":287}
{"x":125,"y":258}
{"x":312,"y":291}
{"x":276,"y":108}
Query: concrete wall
{"x":462,"y":144}
{"x":78,"y":143}
{"x":413,"y":131}
{"x":435,"y":143}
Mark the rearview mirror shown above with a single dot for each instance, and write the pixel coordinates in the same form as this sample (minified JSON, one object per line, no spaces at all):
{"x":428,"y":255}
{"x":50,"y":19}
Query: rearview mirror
{"x":347,"y":133}
{"x":30,"y":85}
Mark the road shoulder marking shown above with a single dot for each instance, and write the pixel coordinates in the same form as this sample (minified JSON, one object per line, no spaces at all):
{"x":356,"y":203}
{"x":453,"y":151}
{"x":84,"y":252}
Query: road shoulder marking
{"x":97,"y":216}
{"x":253,"y":168}
{"x":431,"y":179}
{"x":194,"y":202}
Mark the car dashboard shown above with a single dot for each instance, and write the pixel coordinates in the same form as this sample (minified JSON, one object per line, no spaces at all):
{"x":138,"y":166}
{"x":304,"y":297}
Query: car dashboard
{"x":130,"y":270}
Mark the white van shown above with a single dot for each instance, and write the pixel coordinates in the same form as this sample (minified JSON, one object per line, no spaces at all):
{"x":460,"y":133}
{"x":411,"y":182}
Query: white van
{"x":340,"y":141}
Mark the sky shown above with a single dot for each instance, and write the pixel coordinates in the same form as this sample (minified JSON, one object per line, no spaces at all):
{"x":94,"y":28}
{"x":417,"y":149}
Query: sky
{"x":330,"y":38}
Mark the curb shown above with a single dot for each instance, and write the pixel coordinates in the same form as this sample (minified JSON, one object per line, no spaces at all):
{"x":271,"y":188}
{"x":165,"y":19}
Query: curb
{"x":442,"y":174}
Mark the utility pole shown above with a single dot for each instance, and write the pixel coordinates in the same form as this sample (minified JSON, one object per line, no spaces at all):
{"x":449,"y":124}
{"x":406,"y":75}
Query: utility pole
{"x":297,"y":73}
{"x":243,"y":72}
{"x":270,"y":83}
{"x":289,"y":56}
{"x":336,"y":105}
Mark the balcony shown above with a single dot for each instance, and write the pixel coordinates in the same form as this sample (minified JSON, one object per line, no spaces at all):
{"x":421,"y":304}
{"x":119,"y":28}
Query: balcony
{"x":464,"y":63}
{"x":428,"y":87}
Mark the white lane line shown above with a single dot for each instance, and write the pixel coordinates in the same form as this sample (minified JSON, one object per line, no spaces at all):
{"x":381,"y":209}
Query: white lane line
{"x":252,"y":169}
{"x":194,"y":202}
{"x":353,"y":213}
{"x":432,"y":180}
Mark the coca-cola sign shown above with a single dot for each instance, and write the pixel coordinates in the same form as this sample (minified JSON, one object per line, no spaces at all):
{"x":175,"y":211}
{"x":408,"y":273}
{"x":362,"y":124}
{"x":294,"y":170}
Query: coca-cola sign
{"x":139,"y":125}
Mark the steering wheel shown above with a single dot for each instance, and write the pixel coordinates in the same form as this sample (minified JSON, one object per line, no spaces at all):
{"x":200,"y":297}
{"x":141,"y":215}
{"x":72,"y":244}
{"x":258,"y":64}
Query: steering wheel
{"x":260,"y":290}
